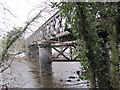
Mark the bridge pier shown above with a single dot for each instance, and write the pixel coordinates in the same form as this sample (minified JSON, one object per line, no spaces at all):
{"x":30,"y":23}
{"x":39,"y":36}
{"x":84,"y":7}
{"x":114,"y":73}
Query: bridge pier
{"x":33,"y":52}
{"x":45,"y":53}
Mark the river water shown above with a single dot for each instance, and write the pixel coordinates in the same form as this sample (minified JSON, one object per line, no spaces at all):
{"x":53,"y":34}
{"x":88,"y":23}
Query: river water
{"x":26,"y":74}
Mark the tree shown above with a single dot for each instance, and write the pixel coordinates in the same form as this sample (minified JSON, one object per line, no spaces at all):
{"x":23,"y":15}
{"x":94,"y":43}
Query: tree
{"x":13,"y":36}
{"x":95,"y":60}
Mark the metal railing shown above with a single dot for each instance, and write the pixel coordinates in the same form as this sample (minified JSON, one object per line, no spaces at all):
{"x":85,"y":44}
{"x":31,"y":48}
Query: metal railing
{"x":52,"y":27}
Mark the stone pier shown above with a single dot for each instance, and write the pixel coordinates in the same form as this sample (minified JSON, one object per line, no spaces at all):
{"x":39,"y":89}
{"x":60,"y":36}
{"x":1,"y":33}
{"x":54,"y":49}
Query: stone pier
{"x":33,"y":52}
{"x":45,"y":53}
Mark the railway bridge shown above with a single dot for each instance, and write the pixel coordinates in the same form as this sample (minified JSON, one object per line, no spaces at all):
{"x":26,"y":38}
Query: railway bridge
{"x":52,"y":41}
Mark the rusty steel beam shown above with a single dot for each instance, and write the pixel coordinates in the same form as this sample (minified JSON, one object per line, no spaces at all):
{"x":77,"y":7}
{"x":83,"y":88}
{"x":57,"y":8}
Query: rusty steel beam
{"x":68,"y":43}
{"x":52,"y":28}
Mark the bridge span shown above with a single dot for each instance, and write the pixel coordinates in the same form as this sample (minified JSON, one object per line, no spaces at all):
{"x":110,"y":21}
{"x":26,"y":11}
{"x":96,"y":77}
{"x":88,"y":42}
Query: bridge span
{"x":52,"y":41}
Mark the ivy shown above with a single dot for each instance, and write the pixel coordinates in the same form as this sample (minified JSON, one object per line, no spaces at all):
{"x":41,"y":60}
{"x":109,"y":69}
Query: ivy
{"x":87,"y":20}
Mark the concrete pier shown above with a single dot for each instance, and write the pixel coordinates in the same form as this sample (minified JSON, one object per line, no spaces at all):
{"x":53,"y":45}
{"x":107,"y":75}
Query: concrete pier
{"x":45,"y":53}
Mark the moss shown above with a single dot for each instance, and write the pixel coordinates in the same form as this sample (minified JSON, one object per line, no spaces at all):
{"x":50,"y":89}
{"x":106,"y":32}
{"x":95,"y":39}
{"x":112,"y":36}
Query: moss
{"x":114,"y":58}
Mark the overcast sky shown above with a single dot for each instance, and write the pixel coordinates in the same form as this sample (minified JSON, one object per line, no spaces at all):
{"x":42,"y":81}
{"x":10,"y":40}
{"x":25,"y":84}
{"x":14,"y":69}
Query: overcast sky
{"x":20,"y":10}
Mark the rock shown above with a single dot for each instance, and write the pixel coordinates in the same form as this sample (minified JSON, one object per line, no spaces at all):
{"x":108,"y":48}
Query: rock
{"x":68,"y":81}
{"x":73,"y":77}
{"x":78,"y":72}
{"x":78,"y":80}
{"x":87,"y":81}
{"x":87,"y":85}
{"x":61,"y":80}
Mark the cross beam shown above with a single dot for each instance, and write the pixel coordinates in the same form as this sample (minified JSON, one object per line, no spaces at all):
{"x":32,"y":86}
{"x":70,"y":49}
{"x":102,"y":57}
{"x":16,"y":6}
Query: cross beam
{"x":61,"y":52}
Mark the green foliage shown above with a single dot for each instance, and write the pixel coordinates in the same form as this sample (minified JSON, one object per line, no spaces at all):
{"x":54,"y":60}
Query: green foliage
{"x":8,"y":41}
{"x":87,"y":20}
{"x":15,"y":34}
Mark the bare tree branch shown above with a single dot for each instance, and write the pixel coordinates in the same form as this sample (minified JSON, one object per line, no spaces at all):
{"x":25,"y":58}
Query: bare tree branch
{"x":7,"y":10}
{"x":1,"y":71}
{"x":12,"y":39}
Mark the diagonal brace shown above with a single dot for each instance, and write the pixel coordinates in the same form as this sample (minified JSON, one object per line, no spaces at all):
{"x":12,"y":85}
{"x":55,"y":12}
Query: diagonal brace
{"x":61,"y":53}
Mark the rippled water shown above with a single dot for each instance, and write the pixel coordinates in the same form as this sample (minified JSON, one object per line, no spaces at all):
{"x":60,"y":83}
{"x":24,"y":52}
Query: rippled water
{"x":25,"y":74}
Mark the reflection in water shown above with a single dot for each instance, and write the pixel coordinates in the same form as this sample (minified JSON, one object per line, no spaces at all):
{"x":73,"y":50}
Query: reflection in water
{"x":26,"y":74}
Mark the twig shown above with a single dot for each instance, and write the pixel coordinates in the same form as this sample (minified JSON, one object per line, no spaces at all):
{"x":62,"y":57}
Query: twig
{"x":6,"y":67}
{"x":7,"y":10}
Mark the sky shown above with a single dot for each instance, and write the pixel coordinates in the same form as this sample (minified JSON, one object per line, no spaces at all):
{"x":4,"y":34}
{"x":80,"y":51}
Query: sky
{"x":18,"y":13}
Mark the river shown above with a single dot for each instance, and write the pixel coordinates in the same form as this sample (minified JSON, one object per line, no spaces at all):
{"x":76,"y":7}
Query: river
{"x":26,"y":74}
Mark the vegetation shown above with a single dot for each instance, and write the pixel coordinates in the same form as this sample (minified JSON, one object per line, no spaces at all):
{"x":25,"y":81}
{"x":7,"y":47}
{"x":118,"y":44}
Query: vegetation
{"x":96,"y":27}
{"x":12,"y":37}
